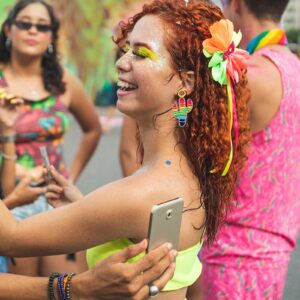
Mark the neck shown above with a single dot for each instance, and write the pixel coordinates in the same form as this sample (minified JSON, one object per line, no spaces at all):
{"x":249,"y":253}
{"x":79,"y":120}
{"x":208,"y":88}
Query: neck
{"x":252,"y":27}
{"x":24,"y":65}
{"x":160,"y":142}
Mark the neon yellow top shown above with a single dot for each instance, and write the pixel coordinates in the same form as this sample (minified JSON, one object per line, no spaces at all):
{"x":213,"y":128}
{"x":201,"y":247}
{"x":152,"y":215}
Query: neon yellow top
{"x":188,"y":266}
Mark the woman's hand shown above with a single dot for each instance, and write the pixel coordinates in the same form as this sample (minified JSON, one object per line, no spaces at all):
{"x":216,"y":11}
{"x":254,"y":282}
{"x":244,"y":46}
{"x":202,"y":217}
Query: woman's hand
{"x":61,"y":191}
{"x":118,"y":280}
{"x":9,"y":110}
{"x":23,"y":194}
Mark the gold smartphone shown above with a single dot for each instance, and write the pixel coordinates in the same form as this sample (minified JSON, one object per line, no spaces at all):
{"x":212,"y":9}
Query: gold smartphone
{"x":165,"y":222}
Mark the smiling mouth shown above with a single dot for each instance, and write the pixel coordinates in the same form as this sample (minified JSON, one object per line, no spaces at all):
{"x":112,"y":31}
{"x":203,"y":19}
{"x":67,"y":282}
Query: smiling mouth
{"x":125,"y":86}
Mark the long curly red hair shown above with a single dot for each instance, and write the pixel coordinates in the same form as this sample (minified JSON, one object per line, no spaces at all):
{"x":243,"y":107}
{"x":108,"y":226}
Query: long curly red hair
{"x":205,"y":137}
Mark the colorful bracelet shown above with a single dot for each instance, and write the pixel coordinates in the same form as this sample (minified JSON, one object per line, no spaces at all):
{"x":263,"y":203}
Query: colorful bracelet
{"x":68,"y":286}
{"x":60,"y":286}
{"x":8,"y":157}
{"x":7,"y":138}
{"x":50,"y":285}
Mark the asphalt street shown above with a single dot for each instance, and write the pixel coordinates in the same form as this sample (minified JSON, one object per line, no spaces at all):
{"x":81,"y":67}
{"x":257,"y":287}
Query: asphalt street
{"x":104,"y":167}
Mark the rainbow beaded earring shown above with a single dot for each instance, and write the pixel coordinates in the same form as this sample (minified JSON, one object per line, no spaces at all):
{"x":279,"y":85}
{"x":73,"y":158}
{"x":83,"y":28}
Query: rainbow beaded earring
{"x":182,"y":108}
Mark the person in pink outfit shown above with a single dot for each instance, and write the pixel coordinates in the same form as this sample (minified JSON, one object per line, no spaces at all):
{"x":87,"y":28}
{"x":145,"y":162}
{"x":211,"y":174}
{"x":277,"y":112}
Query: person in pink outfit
{"x":249,"y":259}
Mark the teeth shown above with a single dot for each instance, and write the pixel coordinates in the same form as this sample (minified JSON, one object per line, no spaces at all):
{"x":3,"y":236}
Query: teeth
{"x":126,"y":85}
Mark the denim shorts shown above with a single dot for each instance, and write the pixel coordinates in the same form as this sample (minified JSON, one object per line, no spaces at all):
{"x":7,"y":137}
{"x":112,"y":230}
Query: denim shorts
{"x":28,"y":210}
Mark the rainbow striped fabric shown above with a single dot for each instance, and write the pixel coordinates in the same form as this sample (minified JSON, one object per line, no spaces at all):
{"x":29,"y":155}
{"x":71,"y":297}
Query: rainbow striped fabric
{"x":271,"y":37}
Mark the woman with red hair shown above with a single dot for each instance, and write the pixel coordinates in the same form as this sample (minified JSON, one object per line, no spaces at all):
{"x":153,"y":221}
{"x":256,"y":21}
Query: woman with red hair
{"x":181,"y":78}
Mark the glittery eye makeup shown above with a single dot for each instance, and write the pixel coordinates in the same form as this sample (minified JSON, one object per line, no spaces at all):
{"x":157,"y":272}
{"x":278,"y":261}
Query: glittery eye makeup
{"x":140,"y":51}
{"x":144,"y":52}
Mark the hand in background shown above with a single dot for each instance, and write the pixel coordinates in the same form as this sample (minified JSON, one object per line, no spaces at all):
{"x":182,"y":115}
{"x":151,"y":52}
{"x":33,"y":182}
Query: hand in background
{"x":9,"y":110}
{"x":23,"y":194}
{"x":61,"y":191}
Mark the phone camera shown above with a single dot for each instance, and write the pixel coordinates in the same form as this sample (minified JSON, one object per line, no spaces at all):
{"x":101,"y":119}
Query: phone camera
{"x":169,"y":214}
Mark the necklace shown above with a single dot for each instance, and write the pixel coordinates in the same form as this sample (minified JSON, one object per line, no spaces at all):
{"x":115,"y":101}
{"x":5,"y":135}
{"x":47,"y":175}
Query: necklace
{"x":270,"y":37}
{"x":33,"y":94}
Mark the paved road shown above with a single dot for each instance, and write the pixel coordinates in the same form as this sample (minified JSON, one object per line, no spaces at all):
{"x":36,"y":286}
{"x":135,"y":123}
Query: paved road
{"x":104,"y":167}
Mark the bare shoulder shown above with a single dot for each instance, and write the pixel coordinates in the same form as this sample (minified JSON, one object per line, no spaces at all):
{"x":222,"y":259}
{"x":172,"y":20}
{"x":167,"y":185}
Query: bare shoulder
{"x":266,"y":91}
{"x":263,"y":75}
{"x":71,"y":80}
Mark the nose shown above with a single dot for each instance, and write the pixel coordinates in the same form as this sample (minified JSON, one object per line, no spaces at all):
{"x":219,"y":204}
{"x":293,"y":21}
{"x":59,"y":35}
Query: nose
{"x":123,"y":64}
{"x":33,"y":30}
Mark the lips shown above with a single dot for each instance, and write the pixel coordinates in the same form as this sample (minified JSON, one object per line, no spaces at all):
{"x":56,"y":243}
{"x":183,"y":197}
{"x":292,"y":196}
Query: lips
{"x":31,"y":42}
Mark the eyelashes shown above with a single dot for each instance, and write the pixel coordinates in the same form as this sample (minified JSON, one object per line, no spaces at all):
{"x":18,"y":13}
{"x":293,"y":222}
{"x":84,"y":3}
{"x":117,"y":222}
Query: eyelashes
{"x":141,"y":52}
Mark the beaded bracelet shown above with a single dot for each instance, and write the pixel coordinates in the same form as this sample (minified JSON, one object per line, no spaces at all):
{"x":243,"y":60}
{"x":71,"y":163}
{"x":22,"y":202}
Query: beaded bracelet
{"x":60,"y":286}
{"x":8,"y":157}
{"x":68,"y":286}
{"x":7,"y":138}
{"x":50,"y":285}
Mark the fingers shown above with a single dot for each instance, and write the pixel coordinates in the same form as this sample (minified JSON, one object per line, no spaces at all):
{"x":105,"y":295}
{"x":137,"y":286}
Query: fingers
{"x":158,"y":269}
{"x":40,"y":190}
{"x":143,"y":293}
{"x":61,"y":180}
{"x":129,"y":252}
{"x":26,"y":180}
{"x":153,"y":257}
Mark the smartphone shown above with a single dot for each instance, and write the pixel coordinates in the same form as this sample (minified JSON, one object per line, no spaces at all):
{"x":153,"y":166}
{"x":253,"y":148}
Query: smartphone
{"x":46,"y":161}
{"x":165,"y":222}
{"x":39,"y":184}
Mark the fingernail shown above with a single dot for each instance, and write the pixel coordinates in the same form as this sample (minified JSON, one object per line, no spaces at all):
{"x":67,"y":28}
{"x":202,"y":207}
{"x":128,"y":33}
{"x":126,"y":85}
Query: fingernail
{"x":170,"y":246}
{"x":174,"y":253}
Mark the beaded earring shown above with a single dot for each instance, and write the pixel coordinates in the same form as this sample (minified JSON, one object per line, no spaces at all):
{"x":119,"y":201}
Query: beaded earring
{"x":182,"y":108}
{"x":8,"y":43}
{"x":50,"y":49}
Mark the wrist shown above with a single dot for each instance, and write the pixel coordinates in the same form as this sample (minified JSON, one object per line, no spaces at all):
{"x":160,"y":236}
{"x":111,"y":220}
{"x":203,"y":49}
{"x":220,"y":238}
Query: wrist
{"x":7,"y":137}
{"x":10,"y":200}
{"x":80,"y":287}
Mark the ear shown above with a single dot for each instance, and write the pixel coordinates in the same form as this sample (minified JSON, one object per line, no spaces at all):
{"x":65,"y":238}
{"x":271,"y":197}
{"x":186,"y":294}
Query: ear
{"x":188,"y":81}
{"x":7,"y":30}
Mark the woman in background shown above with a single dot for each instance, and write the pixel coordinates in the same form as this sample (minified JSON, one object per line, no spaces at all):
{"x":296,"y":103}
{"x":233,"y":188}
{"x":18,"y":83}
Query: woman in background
{"x":30,"y":69}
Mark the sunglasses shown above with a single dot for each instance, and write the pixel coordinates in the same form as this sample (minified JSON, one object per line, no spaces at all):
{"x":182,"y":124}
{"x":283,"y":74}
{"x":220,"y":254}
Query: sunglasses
{"x":27,"y":25}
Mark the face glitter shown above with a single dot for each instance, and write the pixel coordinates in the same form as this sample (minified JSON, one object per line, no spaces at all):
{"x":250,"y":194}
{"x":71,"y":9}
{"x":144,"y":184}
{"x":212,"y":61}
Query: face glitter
{"x":168,"y":162}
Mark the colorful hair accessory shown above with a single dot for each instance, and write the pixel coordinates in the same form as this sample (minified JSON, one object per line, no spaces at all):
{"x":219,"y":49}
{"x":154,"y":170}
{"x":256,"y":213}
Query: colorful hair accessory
{"x":183,"y":107}
{"x":271,"y":37}
{"x":227,"y":63}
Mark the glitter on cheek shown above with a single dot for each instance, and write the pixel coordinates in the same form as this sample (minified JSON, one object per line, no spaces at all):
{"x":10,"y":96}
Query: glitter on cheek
{"x":168,"y":162}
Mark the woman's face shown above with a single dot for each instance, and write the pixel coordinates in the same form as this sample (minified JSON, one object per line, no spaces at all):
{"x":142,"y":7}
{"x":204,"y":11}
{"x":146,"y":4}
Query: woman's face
{"x":146,"y":87}
{"x":35,"y":40}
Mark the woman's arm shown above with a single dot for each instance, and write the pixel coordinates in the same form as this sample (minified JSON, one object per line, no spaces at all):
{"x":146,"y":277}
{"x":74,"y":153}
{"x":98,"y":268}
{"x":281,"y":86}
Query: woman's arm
{"x":129,"y":147}
{"x":85,"y":113}
{"x":115,"y":278}
{"x":8,"y":116}
{"x":80,"y":225}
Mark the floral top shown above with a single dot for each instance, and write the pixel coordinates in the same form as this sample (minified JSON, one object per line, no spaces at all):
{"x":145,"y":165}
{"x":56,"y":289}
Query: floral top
{"x":41,"y":123}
